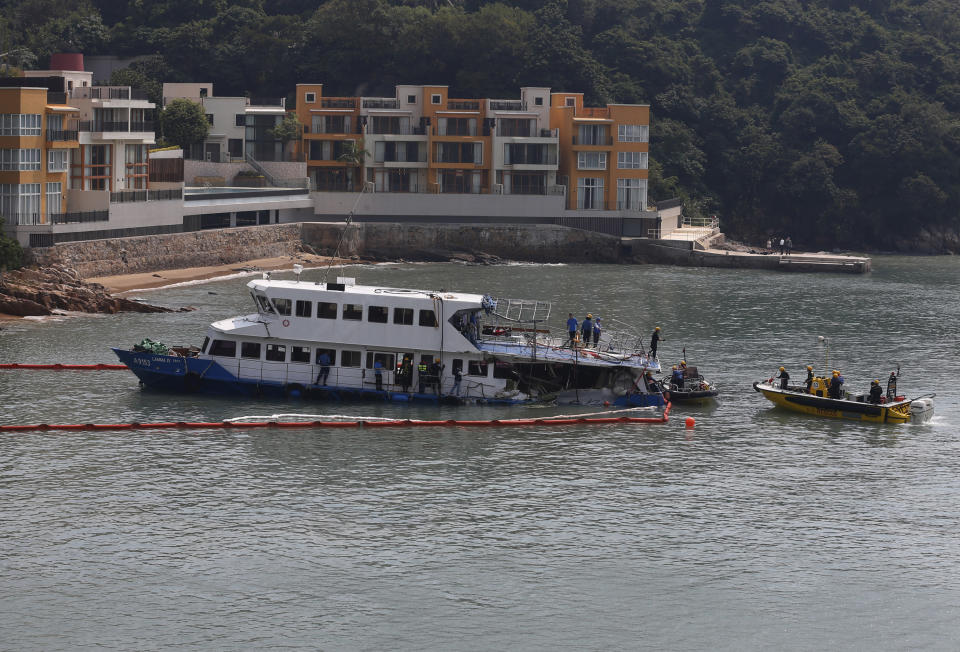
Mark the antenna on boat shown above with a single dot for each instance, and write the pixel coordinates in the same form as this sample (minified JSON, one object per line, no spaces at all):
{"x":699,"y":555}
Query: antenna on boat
{"x":348,"y":221}
{"x":826,"y":355}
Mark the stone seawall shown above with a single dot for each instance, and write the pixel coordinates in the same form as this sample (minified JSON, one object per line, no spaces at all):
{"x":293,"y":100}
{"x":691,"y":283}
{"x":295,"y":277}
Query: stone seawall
{"x":172,"y":251}
{"x":533,"y":243}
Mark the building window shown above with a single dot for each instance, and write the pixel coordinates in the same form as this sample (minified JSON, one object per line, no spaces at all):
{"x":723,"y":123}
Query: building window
{"x":353,"y":311}
{"x":459,"y":153}
{"x":240,"y":120}
{"x":516,"y":127}
{"x":411,"y":99}
{"x":571,"y":101}
{"x":458,"y":127}
{"x":435,"y":99}
{"x":403,"y":316}
{"x":538,"y":101}
{"x":633,"y":133}
{"x":210,"y":119}
{"x":20,"y":203}
{"x":631,"y":194}
{"x":250,"y":350}
{"x":590,"y":193}
{"x":310,"y":98}
{"x":57,"y":160}
{"x":54,"y":198}
{"x":304,"y":308}
{"x":632,"y":160}
{"x":300,"y":354}
{"x":20,"y":124}
{"x":591,"y":160}
{"x":19,"y":159}
{"x":592,"y":135}
{"x":326,"y":310}
{"x":276,"y":353}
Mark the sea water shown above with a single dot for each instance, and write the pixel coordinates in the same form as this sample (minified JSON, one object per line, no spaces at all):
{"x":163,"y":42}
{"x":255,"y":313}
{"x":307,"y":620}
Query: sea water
{"x":757,"y":529}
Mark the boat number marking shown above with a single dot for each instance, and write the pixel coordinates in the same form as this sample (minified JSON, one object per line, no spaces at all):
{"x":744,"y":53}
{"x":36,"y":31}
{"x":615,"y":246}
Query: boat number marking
{"x":142,"y":362}
{"x":286,"y":322}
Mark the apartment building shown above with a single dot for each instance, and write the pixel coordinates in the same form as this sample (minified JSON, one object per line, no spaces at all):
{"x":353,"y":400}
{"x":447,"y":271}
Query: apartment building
{"x":35,"y":154}
{"x":239,"y":126}
{"x":423,"y":141}
{"x":603,"y":153}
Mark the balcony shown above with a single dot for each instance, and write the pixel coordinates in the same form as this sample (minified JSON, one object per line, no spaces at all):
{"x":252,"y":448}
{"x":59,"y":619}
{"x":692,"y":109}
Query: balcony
{"x":146,"y":125}
{"x":595,"y":142}
{"x":60,"y":135}
{"x":80,"y":217}
{"x":108,"y":93}
{"x":54,"y":97}
{"x":338,"y":103}
{"x":380,"y":103}
{"x":95,"y":126}
{"x":508,"y":105}
{"x":463,"y":105}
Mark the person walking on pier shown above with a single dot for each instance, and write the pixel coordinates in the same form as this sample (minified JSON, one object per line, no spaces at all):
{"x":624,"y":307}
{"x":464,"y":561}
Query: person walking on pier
{"x":789,"y":245}
{"x":655,"y":340}
{"x":783,"y":245}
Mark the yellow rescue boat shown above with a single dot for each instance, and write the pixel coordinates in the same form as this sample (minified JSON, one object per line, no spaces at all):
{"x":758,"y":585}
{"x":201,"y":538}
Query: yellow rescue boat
{"x":858,"y":407}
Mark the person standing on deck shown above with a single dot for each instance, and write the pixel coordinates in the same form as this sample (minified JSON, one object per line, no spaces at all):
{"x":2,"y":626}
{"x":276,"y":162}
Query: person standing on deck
{"x":378,"y":374}
{"x":655,"y":340}
{"x":808,"y":383}
{"x":572,"y":328}
{"x":435,"y":370}
{"x":422,"y":375}
{"x":892,"y":386}
{"x":587,"y":329}
{"x":596,"y":333}
{"x":324,"y":361}
{"x":457,"y":377}
{"x":876,"y":394}
{"x":784,"y":378}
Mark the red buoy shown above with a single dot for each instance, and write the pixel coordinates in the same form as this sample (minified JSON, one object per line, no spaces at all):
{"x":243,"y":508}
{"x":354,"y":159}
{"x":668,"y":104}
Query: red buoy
{"x":690,"y":422}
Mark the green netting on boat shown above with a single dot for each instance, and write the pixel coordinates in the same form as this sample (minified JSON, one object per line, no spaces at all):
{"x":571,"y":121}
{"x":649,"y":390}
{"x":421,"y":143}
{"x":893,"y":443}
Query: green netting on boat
{"x":149,"y":346}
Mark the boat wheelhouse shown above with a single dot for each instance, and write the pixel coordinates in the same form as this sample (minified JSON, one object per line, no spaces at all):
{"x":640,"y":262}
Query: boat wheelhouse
{"x":343,"y":340}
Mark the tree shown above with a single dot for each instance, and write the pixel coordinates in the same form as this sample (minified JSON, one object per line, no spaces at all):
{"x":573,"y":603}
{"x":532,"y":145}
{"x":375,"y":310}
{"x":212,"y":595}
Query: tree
{"x":353,"y":154}
{"x":11,"y":253}
{"x":184,"y":123}
{"x":289,"y":129}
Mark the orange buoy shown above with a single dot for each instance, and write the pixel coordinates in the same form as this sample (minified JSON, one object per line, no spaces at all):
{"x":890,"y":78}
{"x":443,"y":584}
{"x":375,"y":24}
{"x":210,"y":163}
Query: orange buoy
{"x":690,"y":422}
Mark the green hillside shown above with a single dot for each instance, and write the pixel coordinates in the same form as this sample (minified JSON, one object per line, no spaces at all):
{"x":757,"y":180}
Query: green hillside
{"x":833,"y":121}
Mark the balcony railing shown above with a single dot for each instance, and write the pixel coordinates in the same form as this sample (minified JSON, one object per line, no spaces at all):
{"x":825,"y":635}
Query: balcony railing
{"x":599,"y":142}
{"x":80,"y":217}
{"x":508,"y":105}
{"x":410,"y":130}
{"x":128,"y":196}
{"x":380,"y":103}
{"x":59,"y":135}
{"x":96,"y":126}
{"x":146,"y":125}
{"x":463,"y":105}
{"x":266,"y":101}
{"x":338,"y":103}
{"x":24,"y":219}
{"x":109,"y":93}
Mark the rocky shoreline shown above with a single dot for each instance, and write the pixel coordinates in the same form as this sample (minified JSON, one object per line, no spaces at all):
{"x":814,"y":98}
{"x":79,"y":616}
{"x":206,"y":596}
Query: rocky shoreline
{"x":55,"y":289}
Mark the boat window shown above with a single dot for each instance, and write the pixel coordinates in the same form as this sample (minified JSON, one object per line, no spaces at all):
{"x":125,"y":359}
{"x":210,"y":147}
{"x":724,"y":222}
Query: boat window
{"x":224,"y":348}
{"x":250,"y":350}
{"x":276,"y":352}
{"x":300,"y":354}
{"x":349,"y":358}
{"x":264,"y":304}
{"x":477,"y":368}
{"x":403,"y":316}
{"x":326,"y":310}
{"x":428,"y":318}
{"x":353,"y":311}
{"x":331,"y":354}
{"x":203,"y":349}
{"x":304,"y":308}
{"x":503,"y":370}
{"x":282,"y":306}
{"x":377,"y":314}
{"x":385,"y":359}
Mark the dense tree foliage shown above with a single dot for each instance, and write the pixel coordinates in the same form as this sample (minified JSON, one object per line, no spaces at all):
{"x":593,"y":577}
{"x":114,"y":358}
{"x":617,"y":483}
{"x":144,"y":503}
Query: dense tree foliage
{"x":183,"y":123}
{"x":11,"y":253}
{"x":832,"y":120}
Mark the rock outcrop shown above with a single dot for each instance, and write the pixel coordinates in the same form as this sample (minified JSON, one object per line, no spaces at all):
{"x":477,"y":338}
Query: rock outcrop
{"x":39,"y":292}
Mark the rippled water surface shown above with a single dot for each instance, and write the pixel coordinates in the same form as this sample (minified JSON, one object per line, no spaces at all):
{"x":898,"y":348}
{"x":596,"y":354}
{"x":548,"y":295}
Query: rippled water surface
{"x":758,"y":529}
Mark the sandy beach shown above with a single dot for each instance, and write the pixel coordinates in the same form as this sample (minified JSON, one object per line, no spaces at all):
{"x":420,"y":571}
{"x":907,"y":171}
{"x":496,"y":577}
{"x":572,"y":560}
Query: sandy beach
{"x":121,"y":283}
